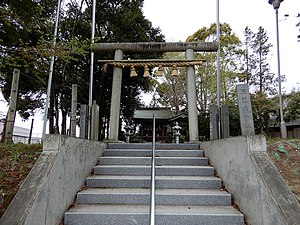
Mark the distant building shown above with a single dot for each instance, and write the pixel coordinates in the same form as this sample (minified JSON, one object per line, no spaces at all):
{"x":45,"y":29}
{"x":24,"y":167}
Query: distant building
{"x":143,"y":118}
{"x":292,"y":127}
{"x":164,"y":119}
{"x":21,"y":134}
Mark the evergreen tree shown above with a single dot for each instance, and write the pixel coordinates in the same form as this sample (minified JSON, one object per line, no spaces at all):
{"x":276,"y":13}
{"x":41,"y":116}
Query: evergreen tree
{"x":122,"y":21}
{"x":26,"y":43}
{"x":230,"y":49}
{"x":172,"y":90}
{"x":262,"y":83}
{"x":261,"y":79}
{"x":24,"y":30}
{"x":206,"y":79}
{"x":293,"y":107}
{"x":247,"y":62}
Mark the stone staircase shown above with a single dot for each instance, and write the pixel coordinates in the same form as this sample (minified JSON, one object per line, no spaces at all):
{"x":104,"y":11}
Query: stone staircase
{"x":187,"y":192}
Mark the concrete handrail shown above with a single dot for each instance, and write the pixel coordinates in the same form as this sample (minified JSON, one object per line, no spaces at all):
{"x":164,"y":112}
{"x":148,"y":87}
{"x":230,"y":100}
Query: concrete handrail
{"x":250,"y":176}
{"x":51,"y":186}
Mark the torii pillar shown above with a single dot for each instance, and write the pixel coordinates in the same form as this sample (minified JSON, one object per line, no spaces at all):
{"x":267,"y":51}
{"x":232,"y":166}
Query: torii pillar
{"x":159,"y":47}
{"x":115,"y":99}
{"x":192,"y":98}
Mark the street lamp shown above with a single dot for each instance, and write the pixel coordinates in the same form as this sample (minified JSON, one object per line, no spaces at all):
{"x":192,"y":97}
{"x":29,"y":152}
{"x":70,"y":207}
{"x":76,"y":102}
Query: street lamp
{"x":276,"y":5}
{"x":218,"y":71}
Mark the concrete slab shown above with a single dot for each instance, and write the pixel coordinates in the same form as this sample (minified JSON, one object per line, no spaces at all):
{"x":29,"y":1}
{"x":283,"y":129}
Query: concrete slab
{"x":167,"y":170}
{"x":161,"y":182}
{"x":163,"y":196}
{"x":158,"y":153}
{"x":149,"y":146}
{"x":123,"y":160}
{"x":165,"y":215}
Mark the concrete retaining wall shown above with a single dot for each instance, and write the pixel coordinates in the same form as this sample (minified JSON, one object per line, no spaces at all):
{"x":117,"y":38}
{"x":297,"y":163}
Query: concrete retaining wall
{"x":255,"y":183}
{"x":53,"y":182}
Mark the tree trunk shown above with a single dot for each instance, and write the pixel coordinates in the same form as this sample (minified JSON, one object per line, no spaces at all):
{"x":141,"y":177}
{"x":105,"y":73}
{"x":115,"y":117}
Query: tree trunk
{"x":56,"y":115}
{"x":63,"y":122}
{"x":4,"y":130}
{"x":260,"y":70}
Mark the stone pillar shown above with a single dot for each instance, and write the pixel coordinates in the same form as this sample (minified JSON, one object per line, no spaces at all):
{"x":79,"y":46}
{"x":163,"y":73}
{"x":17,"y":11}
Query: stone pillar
{"x":95,"y":122}
{"x":73,"y":110}
{"x":83,"y":121}
{"x":115,"y":99}
{"x":192,"y":98}
{"x":245,"y":109}
{"x":213,"y":122}
{"x":11,"y":113}
{"x":225,"y":121}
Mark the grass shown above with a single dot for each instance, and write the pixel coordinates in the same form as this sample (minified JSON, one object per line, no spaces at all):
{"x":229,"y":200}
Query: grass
{"x":16,"y":161}
{"x":285,"y":154}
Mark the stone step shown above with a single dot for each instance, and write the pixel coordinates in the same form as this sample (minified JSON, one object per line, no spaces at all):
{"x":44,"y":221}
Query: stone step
{"x":210,"y":197}
{"x":158,"y":153}
{"x":188,"y":146}
{"x":166,"y":170}
{"x":187,"y":192}
{"x":165,"y":215}
{"x":120,"y":160}
{"x":110,"y":181}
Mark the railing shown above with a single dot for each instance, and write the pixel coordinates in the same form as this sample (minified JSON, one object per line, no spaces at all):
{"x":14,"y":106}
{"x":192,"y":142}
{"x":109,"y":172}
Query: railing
{"x":152,"y":189}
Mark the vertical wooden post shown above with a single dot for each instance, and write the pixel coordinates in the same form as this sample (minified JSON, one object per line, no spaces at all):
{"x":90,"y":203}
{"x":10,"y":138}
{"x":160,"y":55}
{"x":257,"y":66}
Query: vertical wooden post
{"x":73,"y":110}
{"x":12,"y":107}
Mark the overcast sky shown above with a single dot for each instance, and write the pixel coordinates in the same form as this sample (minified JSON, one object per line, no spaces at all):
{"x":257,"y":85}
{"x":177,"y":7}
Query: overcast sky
{"x":179,"y":19}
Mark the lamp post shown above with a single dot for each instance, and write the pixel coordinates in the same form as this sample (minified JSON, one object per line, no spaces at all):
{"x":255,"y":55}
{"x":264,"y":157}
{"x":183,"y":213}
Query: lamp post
{"x":276,"y":5}
{"x":51,"y":71}
{"x":218,"y":72}
{"x":91,"y":71}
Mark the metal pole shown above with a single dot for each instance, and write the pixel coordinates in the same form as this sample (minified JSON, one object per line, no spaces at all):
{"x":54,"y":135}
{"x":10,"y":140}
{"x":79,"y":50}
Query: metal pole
{"x":91,"y":71}
{"x":218,"y":72}
{"x":152,"y":194}
{"x":282,"y":123}
{"x":51,"y":71}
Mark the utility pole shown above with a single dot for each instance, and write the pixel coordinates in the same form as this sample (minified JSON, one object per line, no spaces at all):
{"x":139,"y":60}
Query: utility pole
{"x":11,"y":113}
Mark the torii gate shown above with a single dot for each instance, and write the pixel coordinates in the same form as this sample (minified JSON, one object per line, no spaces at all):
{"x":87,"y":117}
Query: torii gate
{"x":159,"y":47}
